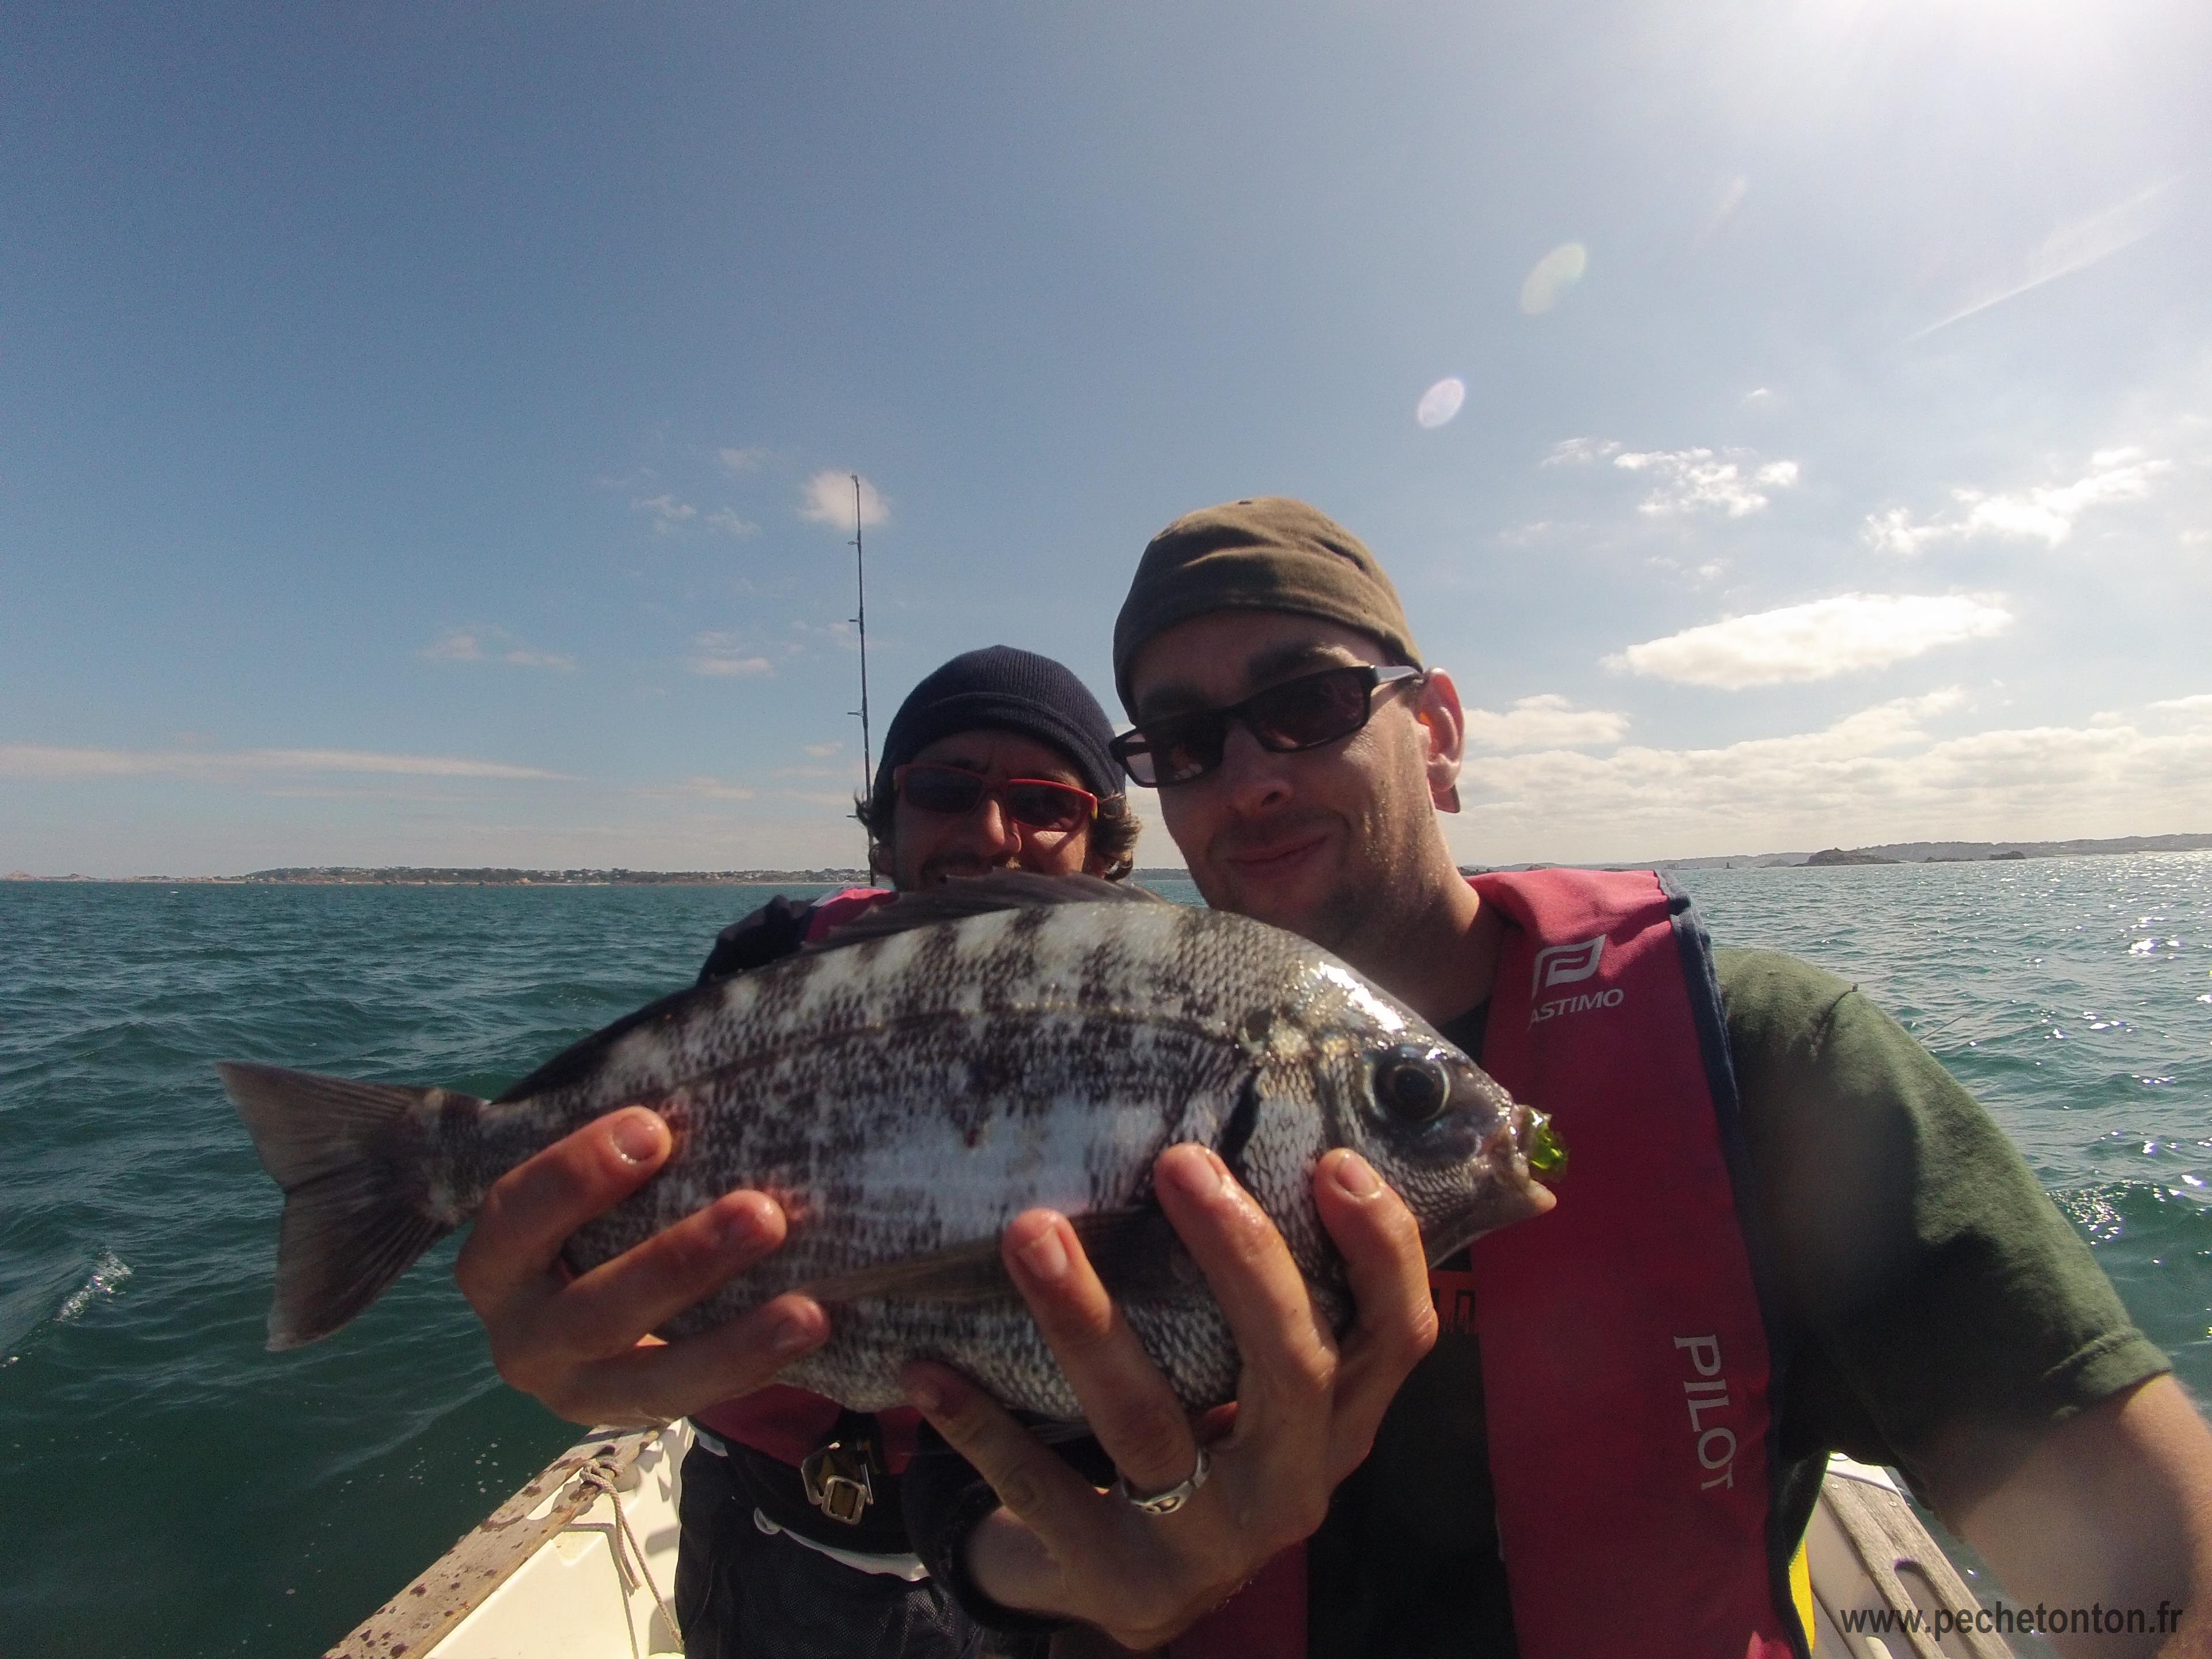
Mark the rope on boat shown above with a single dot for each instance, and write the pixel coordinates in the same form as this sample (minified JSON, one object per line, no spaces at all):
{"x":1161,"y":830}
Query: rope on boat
{"x":602,"y":1474}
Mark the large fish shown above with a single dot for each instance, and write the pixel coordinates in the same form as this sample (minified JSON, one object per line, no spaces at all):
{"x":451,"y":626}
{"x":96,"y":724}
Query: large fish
{"x":909,"y":1086}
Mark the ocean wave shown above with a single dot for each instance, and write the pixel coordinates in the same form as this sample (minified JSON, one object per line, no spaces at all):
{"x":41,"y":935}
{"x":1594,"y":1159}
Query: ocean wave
{"x":56,"y":1297}
{"x":108,"y":1276}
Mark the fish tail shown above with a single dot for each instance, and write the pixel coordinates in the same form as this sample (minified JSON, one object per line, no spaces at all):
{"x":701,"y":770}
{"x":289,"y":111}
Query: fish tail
{"x":352,"y":1160}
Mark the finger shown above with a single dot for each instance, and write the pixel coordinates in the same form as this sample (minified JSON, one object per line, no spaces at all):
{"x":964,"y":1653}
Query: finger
{"x":1126,"y":1399}
{"x":605,"y":1310}
{"x":1050,"y":1497}
{"x":1289,"y":1354}
{"x":1394,"y":1322}
{"x":660,"y":1381}
{"x":531,"y":1210}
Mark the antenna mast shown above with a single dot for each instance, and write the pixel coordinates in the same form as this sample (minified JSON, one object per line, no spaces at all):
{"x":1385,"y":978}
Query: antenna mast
{"x":860,"y":570}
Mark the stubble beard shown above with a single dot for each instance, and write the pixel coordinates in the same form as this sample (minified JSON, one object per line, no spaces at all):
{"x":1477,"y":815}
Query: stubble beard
{"x":1367,"y":920}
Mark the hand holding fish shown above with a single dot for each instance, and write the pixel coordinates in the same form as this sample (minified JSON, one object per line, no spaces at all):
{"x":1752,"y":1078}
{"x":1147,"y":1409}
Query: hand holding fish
{"x":1308,"y":1404}
{"x":580,"y":1343}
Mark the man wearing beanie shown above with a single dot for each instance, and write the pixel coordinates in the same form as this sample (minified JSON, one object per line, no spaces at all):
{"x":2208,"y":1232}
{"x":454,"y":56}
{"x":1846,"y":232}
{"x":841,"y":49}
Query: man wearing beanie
{"x":793,"y":1540}
{"x":1784,"y":1230}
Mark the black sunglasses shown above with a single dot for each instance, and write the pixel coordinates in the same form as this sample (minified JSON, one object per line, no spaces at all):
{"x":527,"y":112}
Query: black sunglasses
{"x":1039,"y":803}
{"x":1301,"y":713}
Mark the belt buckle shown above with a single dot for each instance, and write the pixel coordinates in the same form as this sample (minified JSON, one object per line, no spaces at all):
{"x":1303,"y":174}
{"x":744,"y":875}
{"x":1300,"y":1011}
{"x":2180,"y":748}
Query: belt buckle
{"x":837,"y":1479}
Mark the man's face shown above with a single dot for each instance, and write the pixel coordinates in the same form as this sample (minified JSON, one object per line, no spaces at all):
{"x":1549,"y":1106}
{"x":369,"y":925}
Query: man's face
{"x":927,"y":847}
{"x":1323,"y":841}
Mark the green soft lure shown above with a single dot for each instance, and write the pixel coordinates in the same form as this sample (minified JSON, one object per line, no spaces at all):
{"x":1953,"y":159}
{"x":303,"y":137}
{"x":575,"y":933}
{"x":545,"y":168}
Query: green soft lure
{"x":1547,"y":1153}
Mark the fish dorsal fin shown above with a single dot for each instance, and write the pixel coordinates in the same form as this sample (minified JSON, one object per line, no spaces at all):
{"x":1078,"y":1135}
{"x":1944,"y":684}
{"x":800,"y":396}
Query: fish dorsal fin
{"x":1135,"y":1252}
{"x":964,"y":896}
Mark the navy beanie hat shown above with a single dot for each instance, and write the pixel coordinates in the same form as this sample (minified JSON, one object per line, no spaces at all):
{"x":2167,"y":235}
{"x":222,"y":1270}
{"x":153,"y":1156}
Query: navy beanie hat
{"x":1004,"y":688}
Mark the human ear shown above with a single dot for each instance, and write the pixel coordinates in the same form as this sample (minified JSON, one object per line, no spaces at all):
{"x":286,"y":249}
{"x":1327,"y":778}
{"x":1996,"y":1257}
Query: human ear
{"x":1443,"y":720}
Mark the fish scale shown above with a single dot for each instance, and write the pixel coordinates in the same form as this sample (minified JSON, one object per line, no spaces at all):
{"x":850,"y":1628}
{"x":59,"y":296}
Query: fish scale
{"x":907,"y":1090}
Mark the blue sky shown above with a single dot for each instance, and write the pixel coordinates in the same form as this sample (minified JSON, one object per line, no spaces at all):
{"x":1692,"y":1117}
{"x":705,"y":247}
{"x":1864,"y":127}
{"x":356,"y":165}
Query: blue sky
{"x":424,"y":432}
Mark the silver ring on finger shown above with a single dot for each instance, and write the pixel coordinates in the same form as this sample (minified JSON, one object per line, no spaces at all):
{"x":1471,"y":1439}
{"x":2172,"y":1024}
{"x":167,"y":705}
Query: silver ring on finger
{"x":1168,"y":1502}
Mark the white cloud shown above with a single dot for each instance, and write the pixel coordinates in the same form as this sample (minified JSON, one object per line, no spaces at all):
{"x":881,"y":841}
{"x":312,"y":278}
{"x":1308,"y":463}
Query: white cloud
{"x":840,"y":632}
{"x":1543,"y":722}
{"x":41,"y":761}
{"x":829,"y":500}
{"x":453,"y":646}
{"x":1528,"y":535}
{"x":707,"y":788}
{"x":724,"y":656}
{"x":823,"y":750}
{"x":1552,"y":275}
{"x":2047,"y":513}
{"x":1894,"y":531}
{"x":730,"y":524}
{"x":1758,"y":397}
{"x":2072,"y":247}
{"x":1580,"y":452}
{"x":749,"y":458}
{"x":1688,"y":480}
{"x":1876,"y":776}
{"x":2199,"y":704}
{"x":1814,"y":641}
{"x":668,"y":513}
{"x":469,"y":645}
{"x":522,"y":658}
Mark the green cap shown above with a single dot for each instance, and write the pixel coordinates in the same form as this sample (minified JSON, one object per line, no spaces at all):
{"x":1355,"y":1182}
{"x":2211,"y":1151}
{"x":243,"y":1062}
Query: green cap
{"x":1270,"y":554}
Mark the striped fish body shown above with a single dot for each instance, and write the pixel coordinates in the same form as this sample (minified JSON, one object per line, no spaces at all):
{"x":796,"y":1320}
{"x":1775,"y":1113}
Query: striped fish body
{"x":963,"y":1056}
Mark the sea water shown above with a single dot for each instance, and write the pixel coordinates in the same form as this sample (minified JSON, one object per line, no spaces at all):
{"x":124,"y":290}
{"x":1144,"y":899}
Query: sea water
{"x":172,"y":1490}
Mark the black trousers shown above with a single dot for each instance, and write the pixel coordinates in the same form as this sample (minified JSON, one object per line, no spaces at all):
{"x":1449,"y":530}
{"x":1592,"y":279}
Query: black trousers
{"x":743,"y":1594}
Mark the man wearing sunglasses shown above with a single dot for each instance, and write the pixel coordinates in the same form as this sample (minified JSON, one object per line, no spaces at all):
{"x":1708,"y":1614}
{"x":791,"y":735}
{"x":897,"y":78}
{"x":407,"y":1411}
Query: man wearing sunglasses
{"x":792,"y":1537}
{"x":1784,"y":1230}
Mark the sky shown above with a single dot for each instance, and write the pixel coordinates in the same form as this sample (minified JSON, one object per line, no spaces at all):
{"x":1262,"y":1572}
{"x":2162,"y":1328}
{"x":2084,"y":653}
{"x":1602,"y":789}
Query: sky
{"x":427,"y":434}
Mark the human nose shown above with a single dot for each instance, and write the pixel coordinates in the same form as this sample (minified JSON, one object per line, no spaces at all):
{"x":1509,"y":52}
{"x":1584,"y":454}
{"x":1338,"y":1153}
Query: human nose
{"x":1254,"y":776}
{"x":992,"y":826}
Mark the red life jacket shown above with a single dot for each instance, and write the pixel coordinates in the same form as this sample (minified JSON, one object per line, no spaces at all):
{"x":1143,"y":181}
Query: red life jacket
{"x":1625,"y":1364}
{"x":789,"y":1423}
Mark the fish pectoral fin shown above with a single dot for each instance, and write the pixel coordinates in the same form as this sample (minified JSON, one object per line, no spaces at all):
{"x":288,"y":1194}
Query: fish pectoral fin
{"x":966,"y":1273}
{"x":1134,"y":1251}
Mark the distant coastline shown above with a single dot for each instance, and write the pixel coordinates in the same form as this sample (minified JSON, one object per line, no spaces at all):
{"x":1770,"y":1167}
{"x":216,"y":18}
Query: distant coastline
{"x":400,"y":875}
{"x":1902,"y":852}
{"x":404,"y":875}
{"x":1942,"y":852}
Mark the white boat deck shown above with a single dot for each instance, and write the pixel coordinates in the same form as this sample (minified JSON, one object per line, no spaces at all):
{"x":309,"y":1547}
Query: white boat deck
{"x":579,"y":1562}
{"x":576,"y":1566}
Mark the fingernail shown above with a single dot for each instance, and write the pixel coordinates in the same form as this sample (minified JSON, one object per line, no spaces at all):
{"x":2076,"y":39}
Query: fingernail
{"x":791,"y":1335}
{"x":743,"y":1227}
{"x":1203,"y":1176}
{"x":1045,"y":1257}
{"x":923,"y":1393}
{"x":1356,"y":1176}
{"x":639,"y":1136}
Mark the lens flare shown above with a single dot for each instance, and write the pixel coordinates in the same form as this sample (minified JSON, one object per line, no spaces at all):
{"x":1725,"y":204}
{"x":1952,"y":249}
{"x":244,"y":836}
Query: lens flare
{"x":1552,"y":275}
{"x":1441,"y":402}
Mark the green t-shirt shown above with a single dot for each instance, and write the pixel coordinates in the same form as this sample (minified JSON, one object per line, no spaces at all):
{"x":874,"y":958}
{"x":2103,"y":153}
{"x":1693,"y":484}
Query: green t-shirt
{"x":1925,"y":1285}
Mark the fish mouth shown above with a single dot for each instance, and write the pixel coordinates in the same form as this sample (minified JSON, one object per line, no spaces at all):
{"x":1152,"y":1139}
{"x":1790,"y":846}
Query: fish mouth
{"x":1528,"y":1137}
{"x":1514,"y":1153}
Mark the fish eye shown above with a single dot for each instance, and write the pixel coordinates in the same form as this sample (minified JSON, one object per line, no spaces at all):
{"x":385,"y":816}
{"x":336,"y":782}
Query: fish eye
{"x":1411,"y":1086}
